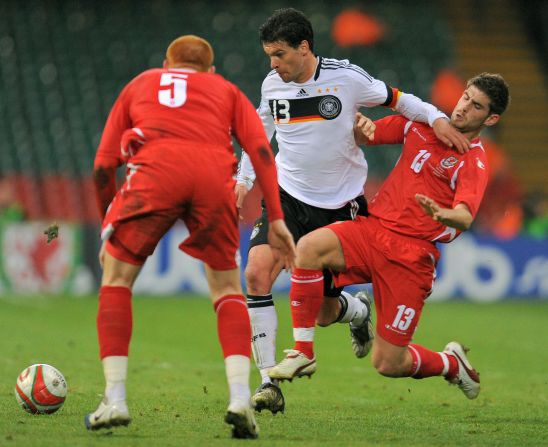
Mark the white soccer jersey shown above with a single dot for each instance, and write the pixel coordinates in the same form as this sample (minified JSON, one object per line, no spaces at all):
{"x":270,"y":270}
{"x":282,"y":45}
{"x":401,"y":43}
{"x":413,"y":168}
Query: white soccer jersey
{"x":318,"y":160}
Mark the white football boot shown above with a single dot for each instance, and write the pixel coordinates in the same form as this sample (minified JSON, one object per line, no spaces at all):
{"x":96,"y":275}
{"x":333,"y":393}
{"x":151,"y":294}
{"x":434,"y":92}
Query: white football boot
{"x":467,"y":379}
{"x":242,"y":420}
{"x":363,"y":334}
{"x":108,"y":415}
{"x":295,"y":364}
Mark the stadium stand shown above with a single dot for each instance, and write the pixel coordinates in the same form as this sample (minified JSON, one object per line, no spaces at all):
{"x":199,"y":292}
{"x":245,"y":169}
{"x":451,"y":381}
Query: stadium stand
{"x":62,"y":64}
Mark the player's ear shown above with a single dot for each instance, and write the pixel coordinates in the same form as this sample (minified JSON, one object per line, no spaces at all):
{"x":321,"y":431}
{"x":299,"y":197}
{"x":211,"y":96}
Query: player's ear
{"x":211,"y":69}
{"x":492,"y":120}
{"x":165,"y":64}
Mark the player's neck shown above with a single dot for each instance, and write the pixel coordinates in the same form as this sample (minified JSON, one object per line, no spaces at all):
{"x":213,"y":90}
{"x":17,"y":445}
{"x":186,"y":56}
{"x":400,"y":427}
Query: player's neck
{"x":472,"y":135}
{"x":310,"y":64}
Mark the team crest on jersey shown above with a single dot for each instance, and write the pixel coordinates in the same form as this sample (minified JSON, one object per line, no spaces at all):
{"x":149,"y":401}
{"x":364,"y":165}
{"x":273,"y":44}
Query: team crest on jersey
{"x":449,"y":162}
{"x":329,"y":107}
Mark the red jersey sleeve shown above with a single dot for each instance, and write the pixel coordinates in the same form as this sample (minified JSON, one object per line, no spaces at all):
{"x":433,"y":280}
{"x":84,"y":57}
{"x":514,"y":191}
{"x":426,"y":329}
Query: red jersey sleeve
{"x":108,"y":154}
{"x":390,"y":130}
{"x":249,"y":131}
{"x":471,"y":180}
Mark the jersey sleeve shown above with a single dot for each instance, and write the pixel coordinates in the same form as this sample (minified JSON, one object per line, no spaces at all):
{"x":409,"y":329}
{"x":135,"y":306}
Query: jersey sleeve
{"x":470,"y":181}
{"x":249,"y":132}
{"x":266,"y":117}
{"x":416,"y":109}
{"x":246,"y":173}
{"x":371,"y":92}
{"x":390,"y":130}
{"x":108,"y":154}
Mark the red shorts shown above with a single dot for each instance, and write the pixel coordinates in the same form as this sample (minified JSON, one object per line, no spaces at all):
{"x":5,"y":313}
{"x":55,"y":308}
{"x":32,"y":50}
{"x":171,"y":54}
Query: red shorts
{"x":402,"y":270}
{"x":169,"y":180}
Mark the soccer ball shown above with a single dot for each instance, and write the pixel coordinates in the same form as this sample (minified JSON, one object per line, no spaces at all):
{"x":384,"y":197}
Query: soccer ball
{"x":40,"y":389}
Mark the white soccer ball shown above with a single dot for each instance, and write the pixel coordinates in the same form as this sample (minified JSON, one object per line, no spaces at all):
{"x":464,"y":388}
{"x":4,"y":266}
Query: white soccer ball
{"x":40,"y":389}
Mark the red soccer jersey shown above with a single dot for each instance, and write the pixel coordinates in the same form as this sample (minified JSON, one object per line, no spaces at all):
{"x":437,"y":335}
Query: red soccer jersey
{"x":426,"y":166}
{"x":196,"y":107}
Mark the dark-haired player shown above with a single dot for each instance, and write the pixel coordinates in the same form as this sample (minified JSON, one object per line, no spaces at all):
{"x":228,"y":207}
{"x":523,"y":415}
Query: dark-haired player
{"x":310,"y":102}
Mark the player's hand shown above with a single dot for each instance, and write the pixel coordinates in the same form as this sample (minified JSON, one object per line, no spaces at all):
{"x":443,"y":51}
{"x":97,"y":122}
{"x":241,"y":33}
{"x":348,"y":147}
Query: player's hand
{"x":364,"y":129}
{"x":429,"y":206}
{"x":241,"y":191}
{"x":282,"y":243}
{"x":102,"y":252}
{"x":450,"y":136}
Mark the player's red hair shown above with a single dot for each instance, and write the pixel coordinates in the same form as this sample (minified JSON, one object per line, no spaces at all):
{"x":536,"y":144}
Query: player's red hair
{"x":190,"y":51}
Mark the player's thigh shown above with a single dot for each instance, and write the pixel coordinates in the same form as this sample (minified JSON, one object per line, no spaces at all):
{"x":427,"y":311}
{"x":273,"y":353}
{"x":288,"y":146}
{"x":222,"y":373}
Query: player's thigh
{"x":402,"y":280}
{"x":211,"y":217}
{"x":320,"y":249}
{"x":138,"y":218}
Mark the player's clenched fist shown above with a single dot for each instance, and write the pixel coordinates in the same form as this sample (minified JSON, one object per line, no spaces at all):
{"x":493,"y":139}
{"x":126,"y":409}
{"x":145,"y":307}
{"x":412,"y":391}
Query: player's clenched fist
{"x":364,"y":129}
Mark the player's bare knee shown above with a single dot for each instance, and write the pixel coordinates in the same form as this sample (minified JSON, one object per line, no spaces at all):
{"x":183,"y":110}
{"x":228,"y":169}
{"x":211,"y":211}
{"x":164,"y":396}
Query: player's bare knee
{"x":387,"y":368}
{"x":386,"y":365}
{"x":257,"y":279}
{"x":118,"y":279}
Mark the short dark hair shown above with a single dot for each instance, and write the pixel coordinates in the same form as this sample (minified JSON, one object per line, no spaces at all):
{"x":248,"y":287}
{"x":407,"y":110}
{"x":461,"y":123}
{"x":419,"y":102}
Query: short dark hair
{"x":496,"y":89}
{"x":287,"y":25}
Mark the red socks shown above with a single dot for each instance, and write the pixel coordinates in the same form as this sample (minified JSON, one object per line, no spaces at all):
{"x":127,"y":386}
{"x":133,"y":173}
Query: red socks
{"x":114,"y":321}
{"x":233,"y":325}
{"x":306,"y":297}
{"x":428,"y":363}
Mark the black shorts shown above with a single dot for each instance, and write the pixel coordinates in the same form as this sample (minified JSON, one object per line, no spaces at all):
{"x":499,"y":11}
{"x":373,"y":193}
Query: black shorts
{"x":302,"y":219}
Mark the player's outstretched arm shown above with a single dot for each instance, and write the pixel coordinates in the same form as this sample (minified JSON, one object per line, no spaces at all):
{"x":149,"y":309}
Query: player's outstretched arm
{"x":282,"y":243}
{"x":450,"y":136}
{"x":458,"y":217}
{"x":415,"y":109}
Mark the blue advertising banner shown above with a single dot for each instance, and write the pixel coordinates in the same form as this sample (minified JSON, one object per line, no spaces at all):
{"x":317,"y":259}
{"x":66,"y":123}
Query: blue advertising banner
{"x":473,"y":267}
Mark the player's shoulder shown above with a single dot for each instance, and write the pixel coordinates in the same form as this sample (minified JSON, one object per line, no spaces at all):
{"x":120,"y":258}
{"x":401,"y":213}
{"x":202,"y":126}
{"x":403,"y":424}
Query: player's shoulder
{"x":342,"y":67}
{"x":152,"y":72}
{"x":142,"y":80}
{"x":422,"y":130}
{"x":477,"y":150}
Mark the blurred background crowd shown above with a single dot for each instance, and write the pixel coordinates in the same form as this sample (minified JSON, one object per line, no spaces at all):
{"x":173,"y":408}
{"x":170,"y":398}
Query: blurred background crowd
{"x":63,"y":62}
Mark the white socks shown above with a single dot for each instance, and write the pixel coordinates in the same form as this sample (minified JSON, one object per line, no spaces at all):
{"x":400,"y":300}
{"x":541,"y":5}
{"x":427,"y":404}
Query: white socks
{"x":264,"y":326}
{"x":353,"y":310}
{"x":237,"y":375}
{"x":115,"y":370}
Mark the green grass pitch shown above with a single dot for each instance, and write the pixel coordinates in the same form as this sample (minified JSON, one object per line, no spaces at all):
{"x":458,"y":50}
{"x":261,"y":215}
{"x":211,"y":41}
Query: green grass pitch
{"x":177,"y":391}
